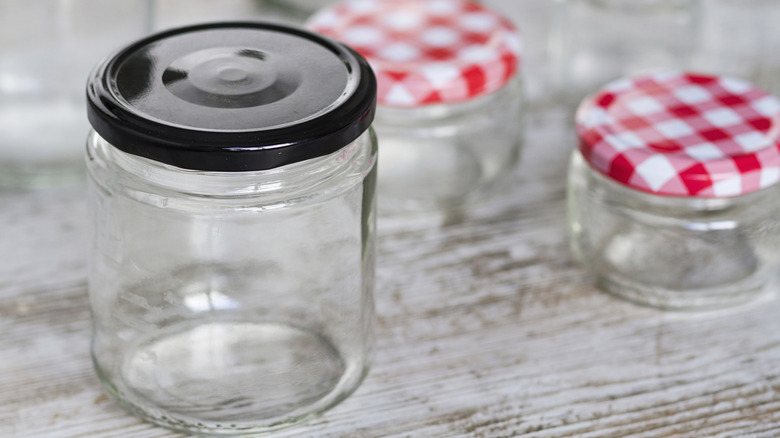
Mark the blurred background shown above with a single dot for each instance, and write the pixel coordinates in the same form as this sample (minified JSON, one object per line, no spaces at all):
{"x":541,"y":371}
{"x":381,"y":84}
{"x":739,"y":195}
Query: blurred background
{"x":571,"y":47}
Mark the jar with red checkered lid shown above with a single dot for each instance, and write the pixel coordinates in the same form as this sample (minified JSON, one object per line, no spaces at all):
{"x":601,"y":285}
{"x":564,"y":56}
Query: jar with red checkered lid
{"x":673,"y":191}
{"x":449,"y":96}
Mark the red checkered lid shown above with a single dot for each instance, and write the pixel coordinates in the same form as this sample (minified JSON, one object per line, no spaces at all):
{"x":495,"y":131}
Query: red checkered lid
{"x":426,"y":51}
{"x":681,"y":134}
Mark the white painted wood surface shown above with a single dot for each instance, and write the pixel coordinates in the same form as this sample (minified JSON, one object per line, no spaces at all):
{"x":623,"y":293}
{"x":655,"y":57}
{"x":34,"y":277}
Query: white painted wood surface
{"x":486,"y":329}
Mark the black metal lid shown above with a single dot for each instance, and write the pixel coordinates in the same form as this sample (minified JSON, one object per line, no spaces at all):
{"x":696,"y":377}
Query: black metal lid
{"x":232,"y":97}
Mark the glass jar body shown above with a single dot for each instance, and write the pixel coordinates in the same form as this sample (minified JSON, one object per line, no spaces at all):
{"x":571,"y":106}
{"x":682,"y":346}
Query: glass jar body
{"x":228,"y":303}
{"x":47,"y":48}
{"x":440,"y":157}
{"x":602,"y":40}
{"x":672,"y":252}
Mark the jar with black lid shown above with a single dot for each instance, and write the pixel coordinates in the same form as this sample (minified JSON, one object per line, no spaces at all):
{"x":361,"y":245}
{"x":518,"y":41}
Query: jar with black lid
{"x":232,"y":174}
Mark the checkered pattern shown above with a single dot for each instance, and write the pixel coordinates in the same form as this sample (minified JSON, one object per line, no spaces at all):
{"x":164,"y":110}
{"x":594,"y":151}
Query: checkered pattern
{"x":683,"y":135}
{"x":426,"y":51}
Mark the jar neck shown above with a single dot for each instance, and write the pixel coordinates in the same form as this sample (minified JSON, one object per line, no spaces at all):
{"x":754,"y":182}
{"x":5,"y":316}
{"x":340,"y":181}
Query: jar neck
{"x":105,"y":162}
{"x":673,"y":205}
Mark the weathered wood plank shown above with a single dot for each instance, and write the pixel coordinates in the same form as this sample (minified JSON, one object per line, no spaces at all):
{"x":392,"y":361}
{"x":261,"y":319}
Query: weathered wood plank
{"x":487,"y":328}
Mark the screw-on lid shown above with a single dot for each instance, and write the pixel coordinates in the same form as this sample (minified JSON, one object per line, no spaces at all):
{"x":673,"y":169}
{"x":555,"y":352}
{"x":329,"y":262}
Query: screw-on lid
{"x":232,"y":97}
{"x":682,"y":134}
{"x":427,"y":51}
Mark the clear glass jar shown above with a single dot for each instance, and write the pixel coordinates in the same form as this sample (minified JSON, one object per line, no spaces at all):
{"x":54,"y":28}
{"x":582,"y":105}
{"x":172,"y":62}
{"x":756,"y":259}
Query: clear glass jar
{"x":232,"y":264}
{"x":298,"y":10}
{"x":700,"y":233}
{"x":46,"y":50}
{"x":449,"y":113}
{"x":175,"y":13}
{"x":603,"y":40}
{"x":538,"y":20}
{"x":741,"y":39}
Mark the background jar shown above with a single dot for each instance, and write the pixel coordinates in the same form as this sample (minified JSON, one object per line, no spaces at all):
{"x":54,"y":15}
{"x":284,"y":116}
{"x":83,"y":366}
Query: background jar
{"x":673,"y":196}
{"x":603,"y":40}
{"x":232,"y":196}
{"x":450,"y":97}
{"x":741,"y":39}
{"x":47,"y":48}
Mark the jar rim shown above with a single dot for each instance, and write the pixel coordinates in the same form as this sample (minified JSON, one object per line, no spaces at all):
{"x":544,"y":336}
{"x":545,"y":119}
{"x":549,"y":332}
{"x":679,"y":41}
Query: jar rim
{"x":232,"y":96}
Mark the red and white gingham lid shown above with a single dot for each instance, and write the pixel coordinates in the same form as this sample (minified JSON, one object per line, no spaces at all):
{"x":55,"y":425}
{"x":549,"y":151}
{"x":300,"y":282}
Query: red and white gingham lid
{"x":681,"y":134}
{"x":426,"y":51}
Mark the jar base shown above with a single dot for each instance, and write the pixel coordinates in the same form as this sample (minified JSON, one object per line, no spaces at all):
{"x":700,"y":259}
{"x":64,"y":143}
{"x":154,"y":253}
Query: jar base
{"x":683,"y":300}
{"x":233,"y":378}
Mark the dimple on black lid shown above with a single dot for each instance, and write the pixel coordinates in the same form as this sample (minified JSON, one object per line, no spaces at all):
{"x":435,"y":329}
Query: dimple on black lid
{"x":232,"y":97}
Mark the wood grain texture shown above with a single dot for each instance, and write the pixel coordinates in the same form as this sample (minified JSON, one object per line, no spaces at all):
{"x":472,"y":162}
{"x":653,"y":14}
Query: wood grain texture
{"x":487,"y":328}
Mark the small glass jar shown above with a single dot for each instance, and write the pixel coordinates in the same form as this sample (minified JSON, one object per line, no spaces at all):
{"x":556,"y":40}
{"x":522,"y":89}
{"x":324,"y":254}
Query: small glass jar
{"x":47,"y":48}
{"x":298,"y":10}
{"x":450,"y":97}
{"x":741,"y":39}
{"x":232,"y":179}
{"x":603,"y":40}
{"x":176,"y":13}
{"x":673,"y":195}
{"x":538,"y":20}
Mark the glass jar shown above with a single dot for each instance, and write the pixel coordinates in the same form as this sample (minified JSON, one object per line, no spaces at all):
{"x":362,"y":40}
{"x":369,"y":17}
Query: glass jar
{"x":541,"y":40}
{"x":603,"y":40}
{"x":449,"y":101}
{"x":176,"y":13}
{"x":741,"y":39}
{"x":46,"y":50}
{"x":297,"y":10}
{"x":232,"y":179}
{"x":673,"y":195}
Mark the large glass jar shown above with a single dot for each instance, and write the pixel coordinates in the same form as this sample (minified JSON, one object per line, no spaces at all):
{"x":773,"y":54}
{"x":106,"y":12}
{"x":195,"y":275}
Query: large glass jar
{"x":232,"y":176}
{"x":603,"y":40}
{"x":47,"y":48}
{"x":673,"y":198}
{"x":450,"y":97}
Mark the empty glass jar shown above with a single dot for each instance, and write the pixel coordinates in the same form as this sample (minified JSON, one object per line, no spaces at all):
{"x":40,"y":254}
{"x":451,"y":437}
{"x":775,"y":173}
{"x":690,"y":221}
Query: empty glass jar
{"x":673,"y":194}
{"x":297,"y":10}
{"x":47,"y":48}
{"x":603,"y":40}
{"x":232,"y":177}
{"x":741,"y":39}
{"x":450,"y":96}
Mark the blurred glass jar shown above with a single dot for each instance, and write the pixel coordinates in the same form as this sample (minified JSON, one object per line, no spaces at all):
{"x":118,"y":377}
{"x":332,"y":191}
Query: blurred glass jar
{"x":741,"y":38}
{"x":47,"y":48}
{"x":673,"y":198}
{"x":449,"y":116}
{"x":232,"y":180}
{"x":298,"y":10}
{"x":541,"y":40}
{"x":603,"y":40}
{"x":175,"y":13}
